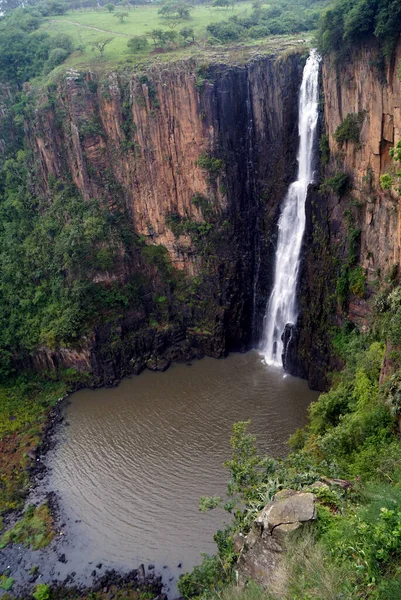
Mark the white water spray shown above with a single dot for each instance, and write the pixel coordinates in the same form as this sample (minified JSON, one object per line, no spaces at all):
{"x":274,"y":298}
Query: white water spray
{"x":282,"y":306}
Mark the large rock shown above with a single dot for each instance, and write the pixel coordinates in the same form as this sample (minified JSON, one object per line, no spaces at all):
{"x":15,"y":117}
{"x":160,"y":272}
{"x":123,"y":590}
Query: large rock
{"x":295,"y":508}
{"x":262,"y":551}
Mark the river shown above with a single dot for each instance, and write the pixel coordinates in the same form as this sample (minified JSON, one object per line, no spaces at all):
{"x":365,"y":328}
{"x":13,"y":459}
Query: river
{"x":133,"y":461}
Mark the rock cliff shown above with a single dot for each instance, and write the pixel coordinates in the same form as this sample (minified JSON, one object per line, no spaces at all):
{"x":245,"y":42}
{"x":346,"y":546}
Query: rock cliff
{"x":354,"y":231}
{"x":199,"y":157}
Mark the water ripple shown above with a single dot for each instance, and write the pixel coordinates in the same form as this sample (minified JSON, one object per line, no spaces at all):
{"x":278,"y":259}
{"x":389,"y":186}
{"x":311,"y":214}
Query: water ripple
{"x":135,"y":459}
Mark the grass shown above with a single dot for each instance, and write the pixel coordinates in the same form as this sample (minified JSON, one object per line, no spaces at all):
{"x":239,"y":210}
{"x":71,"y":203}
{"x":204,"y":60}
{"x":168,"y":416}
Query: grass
{"x":35,"y":529}
{"x":141,"y":21}
{"x":24,"y":407}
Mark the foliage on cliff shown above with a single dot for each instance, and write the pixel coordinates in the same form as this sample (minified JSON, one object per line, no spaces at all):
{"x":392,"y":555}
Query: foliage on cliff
{"x":353,"y":549}
{"x":346,"y":23}
{"x":50,"y":250}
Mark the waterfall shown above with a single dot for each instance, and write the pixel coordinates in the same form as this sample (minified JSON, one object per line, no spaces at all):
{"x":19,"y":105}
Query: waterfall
{"x":282,"y":305}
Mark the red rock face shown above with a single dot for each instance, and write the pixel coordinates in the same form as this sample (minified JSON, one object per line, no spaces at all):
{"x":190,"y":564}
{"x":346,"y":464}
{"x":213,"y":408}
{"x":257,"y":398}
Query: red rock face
{"x":141,"y":137}
{"x":353,"y":87}
{"x":135,"y":140}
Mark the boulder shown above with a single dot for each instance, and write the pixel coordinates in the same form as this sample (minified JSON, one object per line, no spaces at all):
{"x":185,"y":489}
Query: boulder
{"x":297,"y":507}
{"x":262,"y":554}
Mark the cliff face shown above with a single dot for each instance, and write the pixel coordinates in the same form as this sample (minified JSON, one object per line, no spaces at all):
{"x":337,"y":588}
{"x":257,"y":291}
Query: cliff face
{"x":366,"y":85}
{"x":199,"y":156}
{"x":359,"y":227}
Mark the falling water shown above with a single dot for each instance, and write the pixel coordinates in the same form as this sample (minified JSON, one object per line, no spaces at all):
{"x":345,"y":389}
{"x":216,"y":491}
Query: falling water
{"x":282,"y":306}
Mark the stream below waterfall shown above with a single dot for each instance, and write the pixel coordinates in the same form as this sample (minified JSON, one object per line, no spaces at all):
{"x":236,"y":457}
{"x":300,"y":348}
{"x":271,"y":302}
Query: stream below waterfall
{"x":131,"y":463}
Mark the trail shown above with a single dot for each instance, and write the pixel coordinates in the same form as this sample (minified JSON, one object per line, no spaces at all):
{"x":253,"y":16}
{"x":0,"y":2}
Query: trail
{"x":90,"y":27}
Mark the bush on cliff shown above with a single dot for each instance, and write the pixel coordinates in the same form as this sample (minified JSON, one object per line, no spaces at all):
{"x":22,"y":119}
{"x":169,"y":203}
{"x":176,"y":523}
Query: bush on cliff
{"x":345,"y":24}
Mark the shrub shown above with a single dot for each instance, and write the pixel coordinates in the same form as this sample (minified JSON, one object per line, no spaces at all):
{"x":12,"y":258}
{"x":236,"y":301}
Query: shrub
{"x":386,"y":181}
{"x":324,"y":149}
{"x":42,"y":592}
{"x":225,"y":31}
{"x":210,"y":163}
{"x":56,"y":57}
{"x":208,"y":576}
{"x":6,"y":583}
{"x":137,"y":43}
{"x":349,"y":130}
{"x":338,"y":184}
{"x":62,"y":40}
{"x":357,"y":281}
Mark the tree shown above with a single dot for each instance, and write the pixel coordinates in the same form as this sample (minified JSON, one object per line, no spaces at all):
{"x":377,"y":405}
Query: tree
{"x":173,"y":8}
{"x":170,"y":36}
{"x":121,"y":16}
{"x":157,"y":36}
{"x":100,"y":44}
{"x":137,"y":43}
{"x":187,"y":32}
{"x":56,"y":57}
{"x":221,"y":3}
{"x":110,"y":7}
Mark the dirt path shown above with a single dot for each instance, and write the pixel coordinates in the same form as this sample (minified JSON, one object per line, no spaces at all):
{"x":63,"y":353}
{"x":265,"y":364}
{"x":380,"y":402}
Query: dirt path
{"x":93,"y":28}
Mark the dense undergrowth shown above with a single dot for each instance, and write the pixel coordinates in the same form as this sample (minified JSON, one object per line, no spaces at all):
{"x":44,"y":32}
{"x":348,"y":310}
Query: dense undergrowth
{"x":353,"y":550}
{"x":25,"y":403}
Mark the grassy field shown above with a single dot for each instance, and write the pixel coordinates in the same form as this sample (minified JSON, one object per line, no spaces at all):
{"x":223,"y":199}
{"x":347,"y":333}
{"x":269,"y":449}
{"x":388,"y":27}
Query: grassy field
{"x":86,"y":26}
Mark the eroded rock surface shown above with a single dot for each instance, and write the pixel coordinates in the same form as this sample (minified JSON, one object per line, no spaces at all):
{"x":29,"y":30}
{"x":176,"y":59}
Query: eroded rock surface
{"x":263,"y":549}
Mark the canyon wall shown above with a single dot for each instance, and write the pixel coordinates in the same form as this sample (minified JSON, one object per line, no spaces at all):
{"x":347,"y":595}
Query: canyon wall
{"x":359,"y":227}
{"x":199,"y":156}
{"x":368,"y":85}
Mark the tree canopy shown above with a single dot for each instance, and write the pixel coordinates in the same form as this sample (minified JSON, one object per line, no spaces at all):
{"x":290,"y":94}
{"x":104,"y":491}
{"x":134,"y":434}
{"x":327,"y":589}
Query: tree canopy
{"x":346,"y":22}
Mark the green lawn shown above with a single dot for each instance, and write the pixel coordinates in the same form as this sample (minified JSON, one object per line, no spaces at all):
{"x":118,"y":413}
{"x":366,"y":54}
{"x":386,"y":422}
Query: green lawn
{"x":141,"y":20}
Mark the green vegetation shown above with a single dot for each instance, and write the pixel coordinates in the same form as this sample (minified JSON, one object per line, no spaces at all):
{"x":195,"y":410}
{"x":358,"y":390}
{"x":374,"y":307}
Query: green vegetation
{"x":26,"y":51}
{"x":281,"y":18}
{"x":24,"y":407}
{"x":324,"y":148}
{"x":386,"y":181}
{"x":34,"y":530}
{"x":210,"y":163}
{"x":347,"y":23}
{"x":42,"y":592}
{"x":338,"y":184}
{"x":6,"y":583}
{"x":55,"y":248}
{"x":182,"y":25}
{"x":184,"y":226}
{"x":353,"y":549}
{"x":350,"y":128}
{"x":352,"y":279}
